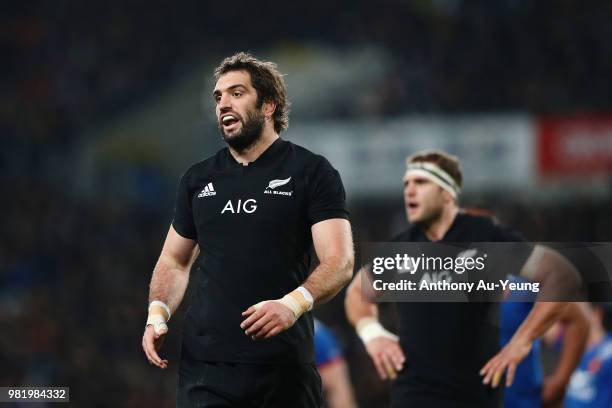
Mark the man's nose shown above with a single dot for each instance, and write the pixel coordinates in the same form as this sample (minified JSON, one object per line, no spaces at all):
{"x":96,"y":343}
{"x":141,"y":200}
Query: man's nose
{"x":409,"y":189}
{"x":224,"y":102}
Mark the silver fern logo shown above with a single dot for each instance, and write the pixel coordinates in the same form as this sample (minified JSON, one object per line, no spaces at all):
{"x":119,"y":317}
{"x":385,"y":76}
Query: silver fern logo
{"x":277,"y":183}
{"x":271,"y":189}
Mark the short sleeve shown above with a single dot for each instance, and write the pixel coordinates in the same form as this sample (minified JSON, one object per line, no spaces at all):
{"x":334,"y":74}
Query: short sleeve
{"x":183,"y":215}
{"x":327,"y":198}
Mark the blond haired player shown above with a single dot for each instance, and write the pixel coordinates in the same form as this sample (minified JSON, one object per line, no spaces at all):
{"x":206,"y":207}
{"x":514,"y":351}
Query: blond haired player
{"x":443,"y":349}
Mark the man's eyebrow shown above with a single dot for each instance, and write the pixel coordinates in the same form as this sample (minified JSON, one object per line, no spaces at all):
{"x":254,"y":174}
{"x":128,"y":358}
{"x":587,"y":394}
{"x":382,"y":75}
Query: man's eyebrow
{"x":229,"y":88}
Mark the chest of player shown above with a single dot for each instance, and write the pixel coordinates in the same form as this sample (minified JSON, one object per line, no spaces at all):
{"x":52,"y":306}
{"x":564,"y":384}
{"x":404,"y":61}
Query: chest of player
{"x":242,"y":196}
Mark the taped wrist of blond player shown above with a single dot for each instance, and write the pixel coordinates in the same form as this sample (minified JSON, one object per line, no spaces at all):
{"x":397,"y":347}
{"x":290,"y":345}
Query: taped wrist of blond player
{"x":368,"y":328}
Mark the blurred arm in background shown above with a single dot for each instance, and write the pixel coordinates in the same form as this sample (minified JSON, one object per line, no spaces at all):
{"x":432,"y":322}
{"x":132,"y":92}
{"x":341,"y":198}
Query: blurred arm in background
{"x":576,"y":329}
{"x":382,"y":345}
{"x":558,"y":279}
{"x":336,"y":385}
{"x":332,"y":366}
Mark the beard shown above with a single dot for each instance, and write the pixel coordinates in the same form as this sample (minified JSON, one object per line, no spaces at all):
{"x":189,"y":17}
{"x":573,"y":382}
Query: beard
{"x":249,"y":133}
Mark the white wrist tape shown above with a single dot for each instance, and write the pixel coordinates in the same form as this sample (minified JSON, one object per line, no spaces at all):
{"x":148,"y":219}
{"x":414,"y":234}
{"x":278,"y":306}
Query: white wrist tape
{"x":299,"y":301}
{"x":158,"y":322}
{"x":307,"y":296}
{"x":292,"y":304}
{"x":162,"y":305}
{"x":369,"y":328}
{"x":159,"y":314}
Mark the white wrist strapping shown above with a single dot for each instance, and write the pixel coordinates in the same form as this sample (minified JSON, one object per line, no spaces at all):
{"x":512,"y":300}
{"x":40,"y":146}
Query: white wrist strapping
{"x":369,"y":328}
{"x":298,"y":301}
{"x":156,"y":316}
{"x":162,"y":305}
{"x":307,"y":296}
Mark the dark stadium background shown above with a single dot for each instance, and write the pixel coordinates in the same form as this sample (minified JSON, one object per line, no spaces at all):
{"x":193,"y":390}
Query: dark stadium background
{"x":104,"y":104}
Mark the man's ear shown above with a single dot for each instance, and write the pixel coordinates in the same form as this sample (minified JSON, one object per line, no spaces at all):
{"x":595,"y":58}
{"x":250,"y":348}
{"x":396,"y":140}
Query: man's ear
{"x":269,"y":107}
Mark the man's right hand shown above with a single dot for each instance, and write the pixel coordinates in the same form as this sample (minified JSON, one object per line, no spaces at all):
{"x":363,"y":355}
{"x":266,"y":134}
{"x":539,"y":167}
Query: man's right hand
{"x":151,"y":343}
{"x":382,"y":346}
{"x":387,"y":356}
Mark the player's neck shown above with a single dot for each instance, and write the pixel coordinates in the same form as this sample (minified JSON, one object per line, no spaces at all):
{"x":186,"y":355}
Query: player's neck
{"x":251,"y":154}
{"x":438,"y":228}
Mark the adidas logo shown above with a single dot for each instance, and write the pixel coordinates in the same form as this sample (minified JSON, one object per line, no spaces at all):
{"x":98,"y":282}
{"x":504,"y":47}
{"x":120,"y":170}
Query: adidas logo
{"x":208,"y":191}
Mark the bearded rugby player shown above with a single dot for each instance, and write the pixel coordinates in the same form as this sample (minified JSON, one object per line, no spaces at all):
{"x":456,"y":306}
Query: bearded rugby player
{"x":253,"y":210}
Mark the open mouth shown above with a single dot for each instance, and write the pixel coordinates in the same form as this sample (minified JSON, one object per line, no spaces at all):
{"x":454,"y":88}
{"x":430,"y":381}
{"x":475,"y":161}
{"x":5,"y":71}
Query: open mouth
{"x":412,"y":206}
{"x":229,"y":121}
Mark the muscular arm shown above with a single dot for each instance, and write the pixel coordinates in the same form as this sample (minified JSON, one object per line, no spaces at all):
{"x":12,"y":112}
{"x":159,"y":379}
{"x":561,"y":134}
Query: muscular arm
{"x":381,"y":345}
{"x":168,"y":285}
{"x":355,"y":306}
{"x":559,"y":280}
{"x":576,"y":325}
{"x":542,"y":316}
{"x":333,"y":243}
{"x":171,"y":273}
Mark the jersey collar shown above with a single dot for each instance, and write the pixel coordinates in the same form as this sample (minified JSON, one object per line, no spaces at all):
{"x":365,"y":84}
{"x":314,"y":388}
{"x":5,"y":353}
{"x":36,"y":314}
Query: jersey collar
{"x":267,"y":156}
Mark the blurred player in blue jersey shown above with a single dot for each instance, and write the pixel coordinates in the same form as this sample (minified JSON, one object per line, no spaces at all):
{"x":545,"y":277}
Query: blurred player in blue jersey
{"x":591,"y":384}
{"x":332,"y":367}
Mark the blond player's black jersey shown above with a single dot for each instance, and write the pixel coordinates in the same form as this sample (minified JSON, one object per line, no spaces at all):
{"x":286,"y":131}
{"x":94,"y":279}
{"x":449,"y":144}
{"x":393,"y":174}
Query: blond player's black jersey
{"x":446,"y":344}
{"x":253,"y":225}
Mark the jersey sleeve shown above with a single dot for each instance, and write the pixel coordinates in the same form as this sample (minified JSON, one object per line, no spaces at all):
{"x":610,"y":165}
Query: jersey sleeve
{"x":327,"y":198}
{"x":183,"y":215}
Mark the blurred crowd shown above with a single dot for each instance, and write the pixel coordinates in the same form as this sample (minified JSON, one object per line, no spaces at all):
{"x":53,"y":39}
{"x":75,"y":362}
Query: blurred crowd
{"x":74,"y":273}
{"x":73,"y":291}
{"x":72,"y":63}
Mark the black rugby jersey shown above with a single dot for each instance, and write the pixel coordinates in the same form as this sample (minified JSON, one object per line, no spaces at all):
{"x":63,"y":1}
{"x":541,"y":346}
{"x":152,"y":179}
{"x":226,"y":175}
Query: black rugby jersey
{"x":446,"y":344}
{"x":252,"y":224}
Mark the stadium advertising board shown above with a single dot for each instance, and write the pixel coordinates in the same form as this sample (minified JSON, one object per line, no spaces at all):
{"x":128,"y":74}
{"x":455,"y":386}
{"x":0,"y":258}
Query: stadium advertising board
{"x":572,"y":146}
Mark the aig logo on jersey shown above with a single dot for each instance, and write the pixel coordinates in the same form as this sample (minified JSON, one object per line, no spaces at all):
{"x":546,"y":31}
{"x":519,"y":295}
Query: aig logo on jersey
{"x":274,"y":184}
{"x":208,"y":191}
{"x":247,"y":206}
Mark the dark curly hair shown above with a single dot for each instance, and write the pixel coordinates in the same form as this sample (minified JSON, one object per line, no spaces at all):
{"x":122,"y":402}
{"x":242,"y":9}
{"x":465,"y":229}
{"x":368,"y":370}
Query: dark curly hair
{"x":267,"y":81}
